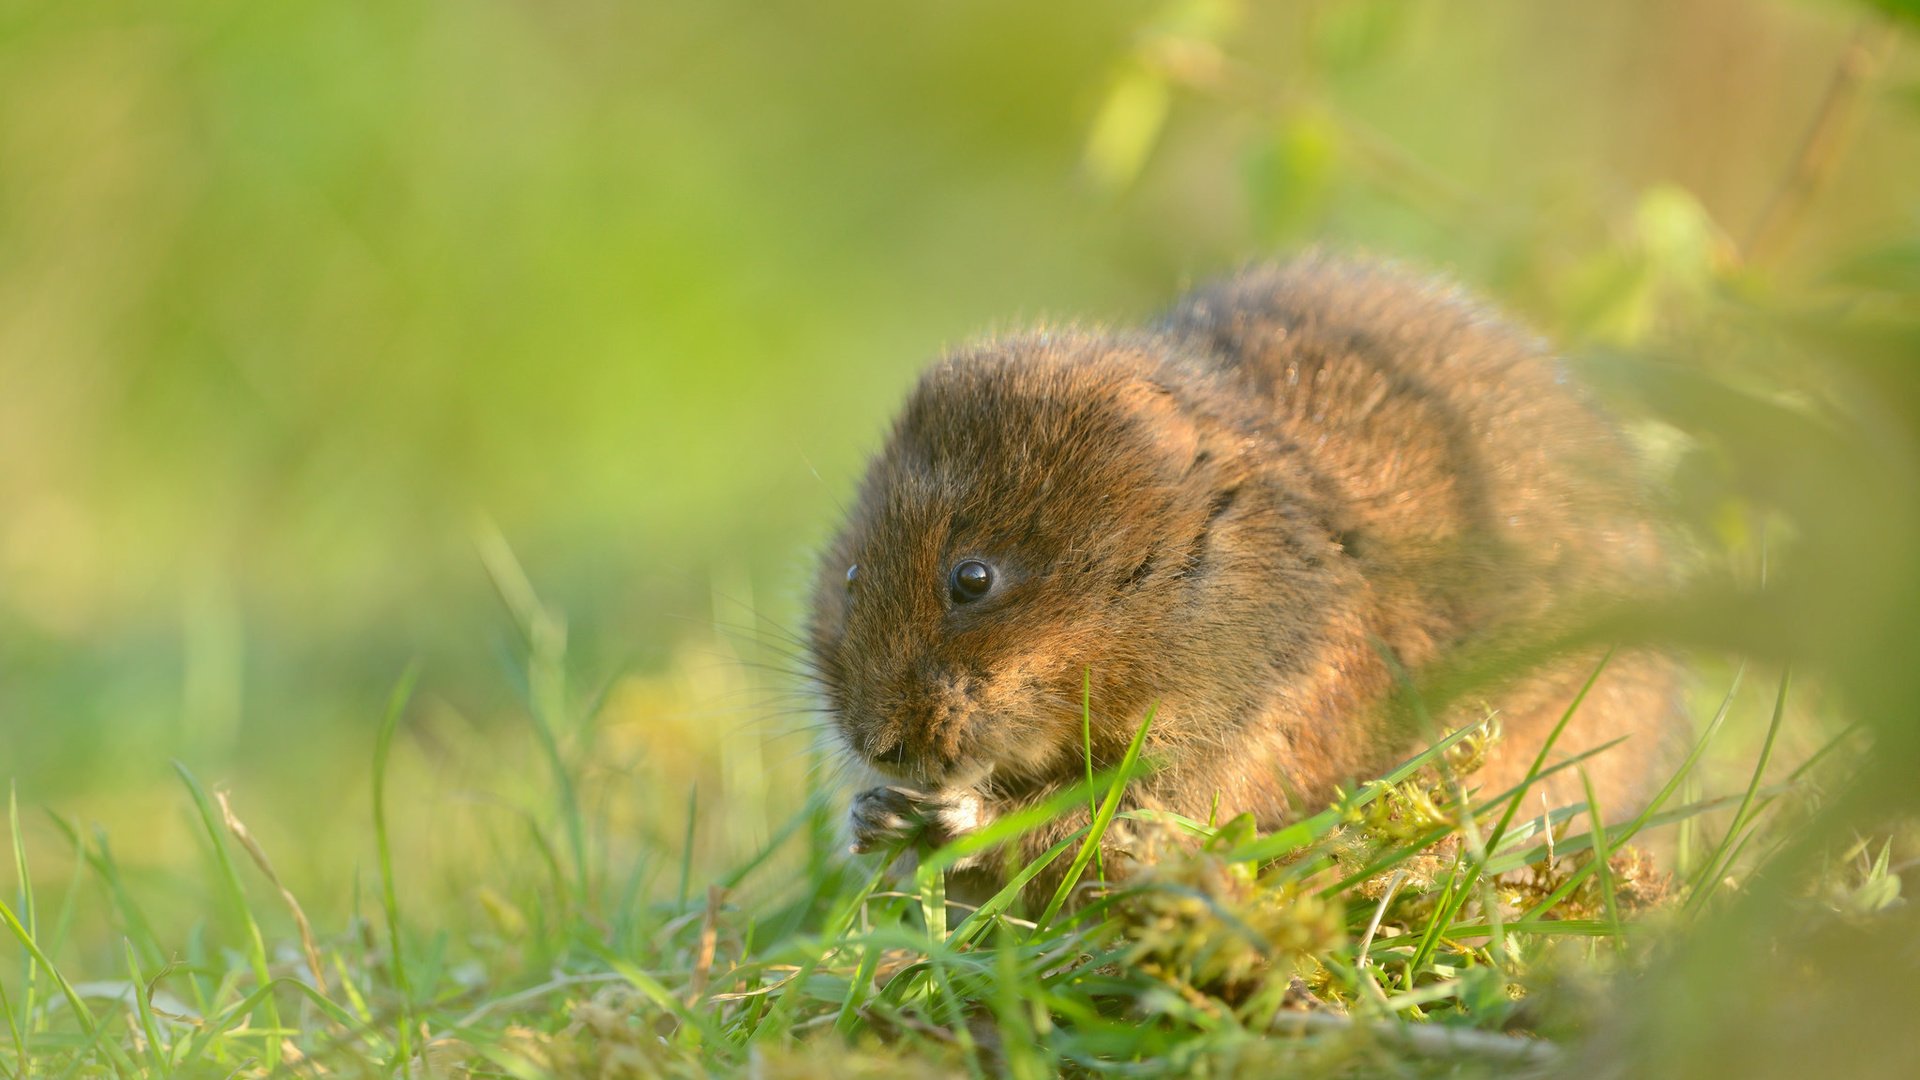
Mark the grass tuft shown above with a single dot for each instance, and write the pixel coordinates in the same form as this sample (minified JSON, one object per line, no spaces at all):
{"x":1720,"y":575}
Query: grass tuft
{"x":1417,"y":925}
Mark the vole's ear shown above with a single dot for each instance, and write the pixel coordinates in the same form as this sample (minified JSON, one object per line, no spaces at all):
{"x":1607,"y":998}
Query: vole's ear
{"x":1188,"y":433}
{"x":1162,"y":418}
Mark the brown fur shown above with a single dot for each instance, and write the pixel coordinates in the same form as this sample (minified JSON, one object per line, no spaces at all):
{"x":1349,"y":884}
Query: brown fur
{"x":1239,"y":514}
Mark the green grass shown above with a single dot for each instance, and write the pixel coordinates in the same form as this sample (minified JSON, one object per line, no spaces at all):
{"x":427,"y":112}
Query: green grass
{"x":1420,"y":925}
{"x":287,"y":294}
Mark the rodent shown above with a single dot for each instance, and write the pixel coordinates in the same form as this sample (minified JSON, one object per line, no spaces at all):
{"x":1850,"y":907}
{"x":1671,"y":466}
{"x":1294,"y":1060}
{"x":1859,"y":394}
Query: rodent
{"x":1242,"y":516}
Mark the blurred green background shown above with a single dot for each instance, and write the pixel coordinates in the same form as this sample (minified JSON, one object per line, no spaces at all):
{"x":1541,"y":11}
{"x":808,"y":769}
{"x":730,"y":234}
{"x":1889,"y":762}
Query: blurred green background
{"x":297,"y":300}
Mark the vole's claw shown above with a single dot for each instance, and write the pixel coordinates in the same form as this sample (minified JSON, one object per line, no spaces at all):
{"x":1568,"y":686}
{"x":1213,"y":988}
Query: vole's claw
{"x":885,"y":816}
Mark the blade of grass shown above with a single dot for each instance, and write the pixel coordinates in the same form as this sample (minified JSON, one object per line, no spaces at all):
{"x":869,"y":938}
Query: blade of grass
{"x":956,"y":1019}
{"x":778,"y":1020}
{"x":1373,"y":926}
{"x":1572,"y":762}
{"x":931,"y":884}
{"x":759,"y":858}
{"x":1793,"y":779}
{"x":389,"y":898}
{"x":857,"y":992}
{"x":244,"y":838}
{"x":1647,"y":813}
{"x":1433,"y":836}
{"x":354,"y":998}
{"x":1602,"y":854}
{"x":1540,"y":759}
{"x":255,"y":944}
{"x":1307,"y":830}
{"x":1573,"y":845}
{"x":686,"y":845}
{"x":1086,"y":752}
{"x":983,"y":916}
{"x":108,"y":869}
{"x":143,"y":1005}
{"x":1101,"y":819}
{"x":22,"y":1062}
{"x":1562,"y":927}
{"x":34,"y":955}
{"x":29,"y":974}
{"x":63,"y":921}
{"x":1472,"y":856}
{"x":1020,"y":1048}
{"x":217,"y":1024}
{"x":1684,"y":840}
{"x":97,"y":1042}
{"x":841,"y":921}
{"x":1452,"y":896}
{"x":546,"y":638}
{"x":100,"y":861}
{"x":652,"y":989}
{"x":1720,"y":859}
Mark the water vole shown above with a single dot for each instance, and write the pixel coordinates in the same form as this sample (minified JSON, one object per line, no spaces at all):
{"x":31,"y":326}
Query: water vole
{"x":1245,"y":513}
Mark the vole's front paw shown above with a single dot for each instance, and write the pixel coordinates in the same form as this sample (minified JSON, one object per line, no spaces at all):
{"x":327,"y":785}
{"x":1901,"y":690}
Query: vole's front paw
{"x":885,"y":816}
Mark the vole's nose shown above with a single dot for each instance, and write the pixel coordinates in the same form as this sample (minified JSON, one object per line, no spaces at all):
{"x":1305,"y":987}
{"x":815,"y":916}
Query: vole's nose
{"x":886,"y":748}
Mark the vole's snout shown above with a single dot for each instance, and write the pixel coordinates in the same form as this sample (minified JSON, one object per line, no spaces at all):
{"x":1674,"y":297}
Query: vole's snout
{"x":919,"y":743}
{"x":888,"y":752}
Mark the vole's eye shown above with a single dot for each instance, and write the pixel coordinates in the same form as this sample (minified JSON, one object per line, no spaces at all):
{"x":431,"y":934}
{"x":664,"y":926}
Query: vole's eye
{"x":853,"y":574}
{"x":969,"y":581}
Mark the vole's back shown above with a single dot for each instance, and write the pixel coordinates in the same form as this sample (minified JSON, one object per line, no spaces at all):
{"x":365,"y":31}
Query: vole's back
{"x":1454,"y":450}
{"x":1464,"y":469}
